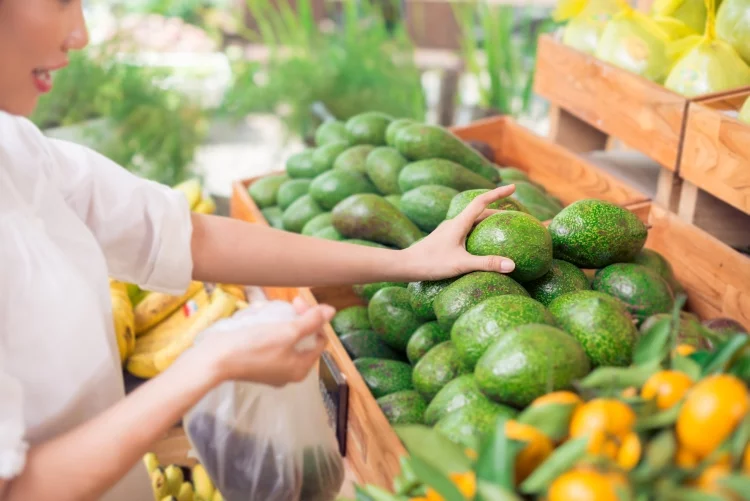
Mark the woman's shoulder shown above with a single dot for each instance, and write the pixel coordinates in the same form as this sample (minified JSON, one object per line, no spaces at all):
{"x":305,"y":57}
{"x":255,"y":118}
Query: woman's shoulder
{"x":20,"y":135}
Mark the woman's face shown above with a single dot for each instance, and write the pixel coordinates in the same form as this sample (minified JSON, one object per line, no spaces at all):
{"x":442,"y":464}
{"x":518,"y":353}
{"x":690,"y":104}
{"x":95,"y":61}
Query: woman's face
{"x":35,"y":38}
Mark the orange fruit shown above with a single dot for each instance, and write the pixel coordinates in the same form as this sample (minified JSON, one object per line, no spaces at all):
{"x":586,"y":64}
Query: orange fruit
{"x":603,"y":420}
{"x":557,"y":397}
{"x":712,"y":410}
{"x":667,"y":387}
{"x":630,"y":391}
{"x":583,"y":485}
{"x":686,"y":459}
{"x":629,"y":453}
{"x":708,"y":481}
{"x":685,"y":350}
{"x":538,"y":447}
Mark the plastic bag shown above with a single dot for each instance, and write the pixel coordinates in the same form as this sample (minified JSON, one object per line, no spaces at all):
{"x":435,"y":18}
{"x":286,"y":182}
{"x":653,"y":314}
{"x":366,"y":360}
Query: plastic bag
{"x":744,"y":115}
{"x":586,"y":25}
{"x":260,"y":443}
{"x":690,"y":12}
{"x":707,"y":64}
{"x":733,"y":26}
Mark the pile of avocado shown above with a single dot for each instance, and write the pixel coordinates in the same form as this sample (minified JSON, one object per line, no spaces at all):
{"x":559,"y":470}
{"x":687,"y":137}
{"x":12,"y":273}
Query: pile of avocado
{"x":388,"y":181}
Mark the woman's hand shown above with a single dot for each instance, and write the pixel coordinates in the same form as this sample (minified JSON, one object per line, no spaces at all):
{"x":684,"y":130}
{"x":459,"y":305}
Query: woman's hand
{"x":442,"y":254}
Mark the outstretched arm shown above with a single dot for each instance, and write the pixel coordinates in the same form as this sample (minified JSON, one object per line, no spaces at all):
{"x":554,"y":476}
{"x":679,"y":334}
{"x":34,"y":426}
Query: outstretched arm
{"x":231,"y":251}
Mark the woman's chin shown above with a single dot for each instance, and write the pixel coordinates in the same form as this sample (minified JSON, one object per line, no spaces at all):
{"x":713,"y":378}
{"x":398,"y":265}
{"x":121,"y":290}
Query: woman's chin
{"x":21,"y":106}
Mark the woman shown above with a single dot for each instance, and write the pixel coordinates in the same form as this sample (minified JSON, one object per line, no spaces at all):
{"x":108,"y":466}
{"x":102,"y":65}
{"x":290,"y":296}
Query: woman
{"x":69,"y":218}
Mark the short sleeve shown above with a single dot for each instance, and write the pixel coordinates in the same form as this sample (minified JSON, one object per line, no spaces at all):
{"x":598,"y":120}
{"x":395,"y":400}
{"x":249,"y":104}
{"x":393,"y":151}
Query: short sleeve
{"x":13,"y":446}
{"x":143,"y":228}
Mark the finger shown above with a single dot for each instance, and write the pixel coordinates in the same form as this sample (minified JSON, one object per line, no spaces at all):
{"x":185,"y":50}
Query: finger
{"x":485,"y":214}
{"x":312,"y":320}
{"x":498,"y":264}
{"x":300,"y":305}
{"x":479,"y":204}
{"x":313,"y":354}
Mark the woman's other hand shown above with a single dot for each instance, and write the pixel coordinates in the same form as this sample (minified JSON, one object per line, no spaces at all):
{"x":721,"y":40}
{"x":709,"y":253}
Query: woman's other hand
{"x":442,"y":254}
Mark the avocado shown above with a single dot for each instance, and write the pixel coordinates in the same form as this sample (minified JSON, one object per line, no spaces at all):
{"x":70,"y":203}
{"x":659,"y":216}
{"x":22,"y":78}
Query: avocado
{"x":394,"y":127}
{"x":469,"y":290}
{"x":301,"y":166}
{"x":478,"y":328}
{"x":317,"y":223}
{"x":468,"y":425}
{"x":423,"y":294}
{"x":652,"y":259}
{"x":440,"y":172}
{"x":331,"y":131}
{"x":394,"y":200}
{"x":460,"y":392}
{"x":403,"y":407}
{"x":329,"y":233}
{"x":427,"y":205}
{"x":353,"y":318}
{"x":264,"y":190}
{"x":690,"y":332}
{"x":384,"y":377}
{"x":539,"y":204}
{"x":593,"y":234}
{"x":273,"y":216}
{"x":291,"y":191}
{"x":383,"y":166}
{"x":424,"y":339}
{"x":392,"y":318}
{"x":330,"y":188}
{"x":517,"y":236}
{"x":324,"y":157}
{"x":725,"y":326}
{"x":366,"y":243}
{"x":561,"y":278}
{"x":436,"y":369}
{"x":642,"y":290}
{"x":424,"y":142}
{"x":367,"y":343}
{"x":529,"y":361}
{"x":302,"y":210}
{"x":600,"y":323}
{"x":366,"y":291}
{"x":483,"y":148}
{"x":463,"y":199}
{"x":353,"y":159}
{"x":369,"y":128}
{"x":371,"y":217}
{"x":512,"y":175}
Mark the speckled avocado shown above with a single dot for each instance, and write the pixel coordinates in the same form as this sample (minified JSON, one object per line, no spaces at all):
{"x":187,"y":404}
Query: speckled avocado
{"x":318,"y":223}
{"x":460,"y":392}
{"x":369,"y":128}
{"x":643,"y":290}
{"x":383,"y":165}
{"x":517,"y":236}
{"x":529,"y":361}
{"x":652,"y":259}
{"x":301,"y":165}
{"x":371,"y":217}
{"x":594,"y":234}
{"x":463,"y":199}
{"x":403,"y":407}
{"x":353,"y":159}
{"x":329,"y":233}
{"x":469,"y":424}
{"x":424,"y":339}
{"x":539,"y":204}
{"x":264,"y":190}
{"x":600,"y":323}
{"x":330,"y":188}
{"x":291,"y":191}
{"x":440,"y":172}
{"x":436,"y":369}
{"x":323,"y":158}
{"x":366,"y":291}
{"x":478,"y":328}
{"x":274,"y":216}
{"x":297,"y":215}
{"x":331,"y":131}
{"x":354,"y":318}
{"x":367,"y":343}
{"x":384,"y":377}
{"x":512,"y":175}
{"x":392,"y":318}
{"x":561,"y":278}
{"x":427,"y":205}
{"x":394,"y":200}
{"x":424,"y":293}
{"x":469,"y":290}
{"x":394,"y":127}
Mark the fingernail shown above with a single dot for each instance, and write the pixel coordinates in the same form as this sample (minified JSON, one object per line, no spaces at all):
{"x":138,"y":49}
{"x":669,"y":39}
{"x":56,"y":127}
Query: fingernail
{"x":507,"y":266}
{"x":328,"y":311}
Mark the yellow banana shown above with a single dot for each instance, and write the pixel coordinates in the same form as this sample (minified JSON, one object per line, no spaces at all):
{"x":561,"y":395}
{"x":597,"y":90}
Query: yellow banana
{"x":157,"y":306}
{"x":159,"y":484}
{"x":217,"y":496}
{"x":206,"y":206}
{"x":204,"y":487}
{"x":175,"y":477}
{"x":222,"y":305}
{"x":186,"y":492}
{"x":236,"y":290}
{"x":192,"y":190}
{"x":142,"y":366}
{"x":168,"y":498}
{"x":124,"y":320}
{"x":151,"y":462}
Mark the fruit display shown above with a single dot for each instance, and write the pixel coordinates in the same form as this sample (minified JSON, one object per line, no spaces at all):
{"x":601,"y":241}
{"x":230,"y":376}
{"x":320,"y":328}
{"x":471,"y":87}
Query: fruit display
{"x":180,"y":483}
{"x":198,"y":200}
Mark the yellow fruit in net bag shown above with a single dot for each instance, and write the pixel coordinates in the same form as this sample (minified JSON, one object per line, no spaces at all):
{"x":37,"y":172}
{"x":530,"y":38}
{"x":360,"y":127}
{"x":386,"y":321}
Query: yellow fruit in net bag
{"x":690,"y":12}
{"x":636,"y":43}
{"x":745,"y":112}
{"x":733,"y":26}
{"x":708,"y":64}
{"x":586,"y":25}
{"x":674,"y":29}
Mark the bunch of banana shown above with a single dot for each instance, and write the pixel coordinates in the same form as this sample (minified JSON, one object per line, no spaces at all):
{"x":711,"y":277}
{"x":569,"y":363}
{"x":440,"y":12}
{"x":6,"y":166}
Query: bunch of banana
{"x":169,"y":484}
{"x":198,"y":200}
{"x":124,"y":318}
{"x":157,"y":306}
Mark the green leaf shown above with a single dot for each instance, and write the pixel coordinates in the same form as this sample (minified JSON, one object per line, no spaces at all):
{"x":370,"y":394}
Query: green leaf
{"x":658,"y":455}
{"x":654,"y":346}
{"x":497,"y":457}
{"x":687,"y":365}
{"x":434,"y":478}
{"x":740,"y":439}
{"x":492,"y":492}
{"x":739,"y":484}
{"x":620,"y":377}
{"x":659,"y":420}
{"x":434,"y":448}
{"x":687,"y":494}
{"x":724,"y":353}
{"x":406,"y":480}
{"x":553,"y":419}
{"x":374,"y":493}
{"x":561,"y":460}
{"x":700,"y":356}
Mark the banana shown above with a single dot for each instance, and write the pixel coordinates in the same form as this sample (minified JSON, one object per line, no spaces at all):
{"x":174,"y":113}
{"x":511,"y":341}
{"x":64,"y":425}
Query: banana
{"x":186,"y":492}
{"x":217,"y":496}
{"x":222,"y":305}
{"x":142,"y":366}
{"x":169,"y":498}
{"x":236,"y":290}
{"x":159,"y":484}
{"x":192,"y":190}
{"x":124,"y":320}
{"x":157,"y":306}
{"x":206,"y":206}
{"x":175,"y":478}
{"x":151,"y":462}
{"x":204,"y":487}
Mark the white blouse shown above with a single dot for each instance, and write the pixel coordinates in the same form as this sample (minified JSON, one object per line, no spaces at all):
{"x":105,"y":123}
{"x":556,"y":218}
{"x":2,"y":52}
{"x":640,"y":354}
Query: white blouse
{"x":69,"y":218}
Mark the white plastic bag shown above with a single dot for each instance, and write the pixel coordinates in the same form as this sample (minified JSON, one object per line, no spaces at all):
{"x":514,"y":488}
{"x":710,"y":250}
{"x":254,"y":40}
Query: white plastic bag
{"x":260,"y":443}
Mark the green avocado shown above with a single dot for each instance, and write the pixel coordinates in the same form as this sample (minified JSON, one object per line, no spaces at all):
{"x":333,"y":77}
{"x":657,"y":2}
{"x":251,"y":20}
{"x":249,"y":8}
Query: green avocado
{"x":529,"y":361}
{"x":330,"y":188}
{"x":274,"y":216}
{"x":367,"y":343}
{"x":478,"y":328}
{"x":394,"y":127}
{"x":468,"y":425}
{"x":436,"y":369}
{"x":291,"y":191}
{"x":539,"y":204}
{"x":384,"y":377}
{"x":366,"y":243}
{"x":460,"y":392}
{"x":427,"y":205}
{"x":329,"y":233}
{"x":594,"y":234}
{"x":319,"y":222}
{"x":353,"y":159}
{"x":324,"y":157}
{"x":383,"y":165}
{"x":354,"y":318}
{"x":297,"y":215}
{"x":392,"y":318}
{"x":424,"y":293}
{"x":561,"y":278}
{"x":301,"y":166}
{"x":369,"y":128}
{"x":643,"y":290}
{"x":366,"y":291}
{"x":371,"y":217}
{"x":331,"y":131}
{"x":403,"y":407}
{"x":600,"y":323}
{"x":463,"y":199}
{"x":469,"y":290}
{"x":440,"y":172}
{"x":424,"y":339}
{"x":517,"y":236}
{"x":512,"y":175}
{"x":652,"y":259}
{"x":264,"y":190}
{"x":394,"y":200}
{"x":691,"y":331}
